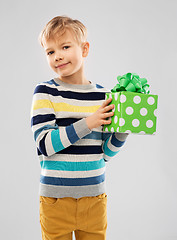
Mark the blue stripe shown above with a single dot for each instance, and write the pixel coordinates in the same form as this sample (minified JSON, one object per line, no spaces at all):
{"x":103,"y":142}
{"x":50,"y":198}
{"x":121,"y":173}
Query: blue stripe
{"x":56,"y":141}
{"x":116,"y":142}
{"x":85,"y":149}
{"x":107,"y":151}
{"x":72,"y":181}
{"x":71,"y":133}
{"x":72,"y":166}
{"x":42,"y":118}
{"x":66,"y":121}
{"x":99,"y":86}
{"x":52,"y":82}
{"x":38,"y":152}
{"x":94,"y":135}
{"x":46,"y":127}
{"x":42,"y":147}
{"x":105,"y":135}
{"x":40,"y":89}
{"x":70,"y":94}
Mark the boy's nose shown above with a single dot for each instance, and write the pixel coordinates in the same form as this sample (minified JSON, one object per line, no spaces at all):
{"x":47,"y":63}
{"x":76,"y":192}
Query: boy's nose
{"x":58,"y":56}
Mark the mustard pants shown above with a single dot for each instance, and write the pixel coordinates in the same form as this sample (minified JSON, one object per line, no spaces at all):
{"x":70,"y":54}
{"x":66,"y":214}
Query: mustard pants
{"x":86,"y":216}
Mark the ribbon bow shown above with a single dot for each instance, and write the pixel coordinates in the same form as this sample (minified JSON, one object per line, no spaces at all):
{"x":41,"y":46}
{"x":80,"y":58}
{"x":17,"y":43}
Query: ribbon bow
{"x":131,"y":82}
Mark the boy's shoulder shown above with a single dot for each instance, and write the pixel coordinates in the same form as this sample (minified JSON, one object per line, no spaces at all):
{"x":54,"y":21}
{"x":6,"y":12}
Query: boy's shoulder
{"x":44,"y":85}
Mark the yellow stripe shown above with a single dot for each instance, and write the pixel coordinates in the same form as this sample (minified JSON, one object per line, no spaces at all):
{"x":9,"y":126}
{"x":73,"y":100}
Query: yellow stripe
{"x":63,"y":107}
{"x":42,"y":104}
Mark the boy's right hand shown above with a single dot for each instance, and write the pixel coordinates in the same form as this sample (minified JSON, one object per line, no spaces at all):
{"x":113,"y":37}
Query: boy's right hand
{"x":98,"y":118}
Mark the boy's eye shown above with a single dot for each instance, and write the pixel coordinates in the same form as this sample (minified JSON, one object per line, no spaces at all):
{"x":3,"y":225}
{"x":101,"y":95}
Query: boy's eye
{"x":66,"y":47}
{"x":49,"y":53}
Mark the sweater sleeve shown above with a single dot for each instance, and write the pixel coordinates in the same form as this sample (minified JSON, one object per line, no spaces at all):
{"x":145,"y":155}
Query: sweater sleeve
{"x":112,"y":144}
{"x":49,"y":137}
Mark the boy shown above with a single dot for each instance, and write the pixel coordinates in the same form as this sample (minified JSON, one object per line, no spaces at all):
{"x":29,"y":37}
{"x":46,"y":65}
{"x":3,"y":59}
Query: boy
{"x":67,"y":118}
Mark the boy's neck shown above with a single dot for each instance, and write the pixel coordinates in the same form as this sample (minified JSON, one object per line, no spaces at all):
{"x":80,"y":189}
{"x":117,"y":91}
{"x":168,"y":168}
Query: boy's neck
{"x":76,"y":78}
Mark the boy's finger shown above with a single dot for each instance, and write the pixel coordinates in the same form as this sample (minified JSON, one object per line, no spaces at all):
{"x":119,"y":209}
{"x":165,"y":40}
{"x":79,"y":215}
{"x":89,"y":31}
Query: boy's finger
{"x":106,"y":102}
{"x":109,"y":108}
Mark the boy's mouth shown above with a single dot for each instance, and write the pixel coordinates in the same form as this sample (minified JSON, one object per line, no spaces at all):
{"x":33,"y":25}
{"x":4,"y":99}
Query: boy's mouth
{"x":62,"y":65}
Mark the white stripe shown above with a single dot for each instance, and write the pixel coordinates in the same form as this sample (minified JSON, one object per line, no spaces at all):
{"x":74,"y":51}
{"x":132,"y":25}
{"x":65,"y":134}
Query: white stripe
{"x":106,"y":157}
{"x":48,"y":144}
{"x":40,"y":96}
{"x":37,"y":126}
{"x":40,"y":157}
{"x":113,"y":148}
{"x":90,"y":142}
{"x":72,"y":114}
{"x":121,"y":136}
{"x":64,"y":137}
{"x":74,"y":157}
{"x":71,"y":191}
{"x":72,"y":174}
{"x":42,"y":111}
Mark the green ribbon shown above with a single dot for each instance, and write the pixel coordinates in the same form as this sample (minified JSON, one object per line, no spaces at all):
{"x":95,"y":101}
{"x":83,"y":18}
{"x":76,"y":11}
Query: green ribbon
{"x":131,"y":82}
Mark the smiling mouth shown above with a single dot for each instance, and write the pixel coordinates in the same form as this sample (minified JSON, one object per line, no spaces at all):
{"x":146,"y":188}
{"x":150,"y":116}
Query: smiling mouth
{"x":62,"y":65}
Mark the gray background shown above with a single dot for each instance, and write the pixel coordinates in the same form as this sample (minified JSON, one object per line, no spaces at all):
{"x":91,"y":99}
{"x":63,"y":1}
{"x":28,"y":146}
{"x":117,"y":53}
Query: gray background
{"x":125,"y":36}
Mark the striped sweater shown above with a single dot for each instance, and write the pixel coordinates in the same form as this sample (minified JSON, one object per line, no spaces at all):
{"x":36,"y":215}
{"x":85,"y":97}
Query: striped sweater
{"x":72,"y":157}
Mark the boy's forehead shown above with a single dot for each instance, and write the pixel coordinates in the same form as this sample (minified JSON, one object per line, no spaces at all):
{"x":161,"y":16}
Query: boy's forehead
{"x":66,"y":37}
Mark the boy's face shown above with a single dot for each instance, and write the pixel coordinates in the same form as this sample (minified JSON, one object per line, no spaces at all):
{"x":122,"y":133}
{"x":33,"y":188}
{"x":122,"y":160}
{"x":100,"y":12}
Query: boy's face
{"x":65,"y":56}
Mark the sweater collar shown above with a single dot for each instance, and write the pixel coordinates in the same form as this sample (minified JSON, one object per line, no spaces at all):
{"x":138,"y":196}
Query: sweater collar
{"x":74,"y":86}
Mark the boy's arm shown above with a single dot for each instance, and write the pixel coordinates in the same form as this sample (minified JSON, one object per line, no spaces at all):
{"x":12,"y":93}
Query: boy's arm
{"x":112,"y":143}
{"x":49,"y":137}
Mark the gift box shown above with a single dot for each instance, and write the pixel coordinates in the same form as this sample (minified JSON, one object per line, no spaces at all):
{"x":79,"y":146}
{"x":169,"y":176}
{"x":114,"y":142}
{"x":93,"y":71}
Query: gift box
{"x":135,"y":109}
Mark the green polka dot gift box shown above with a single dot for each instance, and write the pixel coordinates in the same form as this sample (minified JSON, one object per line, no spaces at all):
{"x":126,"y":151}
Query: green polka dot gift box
{"x":135,"y":109}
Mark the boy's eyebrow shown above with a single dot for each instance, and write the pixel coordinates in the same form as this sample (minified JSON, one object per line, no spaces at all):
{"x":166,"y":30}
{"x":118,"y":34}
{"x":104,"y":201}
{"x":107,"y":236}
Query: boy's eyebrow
{"x":60,"y":45}
{"x":65,"y":43}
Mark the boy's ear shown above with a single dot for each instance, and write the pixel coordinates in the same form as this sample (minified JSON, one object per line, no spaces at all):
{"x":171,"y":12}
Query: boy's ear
{"x":85,"y":49}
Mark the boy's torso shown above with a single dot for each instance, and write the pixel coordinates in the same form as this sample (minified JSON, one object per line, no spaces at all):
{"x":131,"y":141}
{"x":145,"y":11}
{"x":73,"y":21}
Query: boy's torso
{"x":78,"y":170}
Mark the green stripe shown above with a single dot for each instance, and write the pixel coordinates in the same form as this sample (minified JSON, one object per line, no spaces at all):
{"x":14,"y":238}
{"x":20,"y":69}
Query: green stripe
{"x":72,"y":166}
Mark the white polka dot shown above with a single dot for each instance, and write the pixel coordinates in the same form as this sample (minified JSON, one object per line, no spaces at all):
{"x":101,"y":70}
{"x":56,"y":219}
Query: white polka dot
{"x":129,"y":110}
{"x":142,"y":132}
{"x":112,"y":129}
{"x":106,"y":129}
{"x":143,"y":111}
{"x":118,"y":129}
{"x":155,"y":112}
{"x":137,"y":99}
{"x":121,"y":121}
{"x":135,"y":122}
{"x":110,"y":95}
{"x":116,"y":96}
{"x":122,"y":98}
{"x":118,"y":107}
{"x":150,"y":100}
{"x":149,"y":123}
{"x":128,"y":131}
{"x":115,"y":119}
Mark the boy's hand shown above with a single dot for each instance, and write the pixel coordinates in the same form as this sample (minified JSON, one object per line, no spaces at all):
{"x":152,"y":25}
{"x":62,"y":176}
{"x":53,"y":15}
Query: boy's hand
{"x":98,"y":118}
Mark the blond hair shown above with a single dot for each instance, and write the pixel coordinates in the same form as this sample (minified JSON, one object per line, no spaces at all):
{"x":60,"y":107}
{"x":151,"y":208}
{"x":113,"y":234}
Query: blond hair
{"x":58,"y":26}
